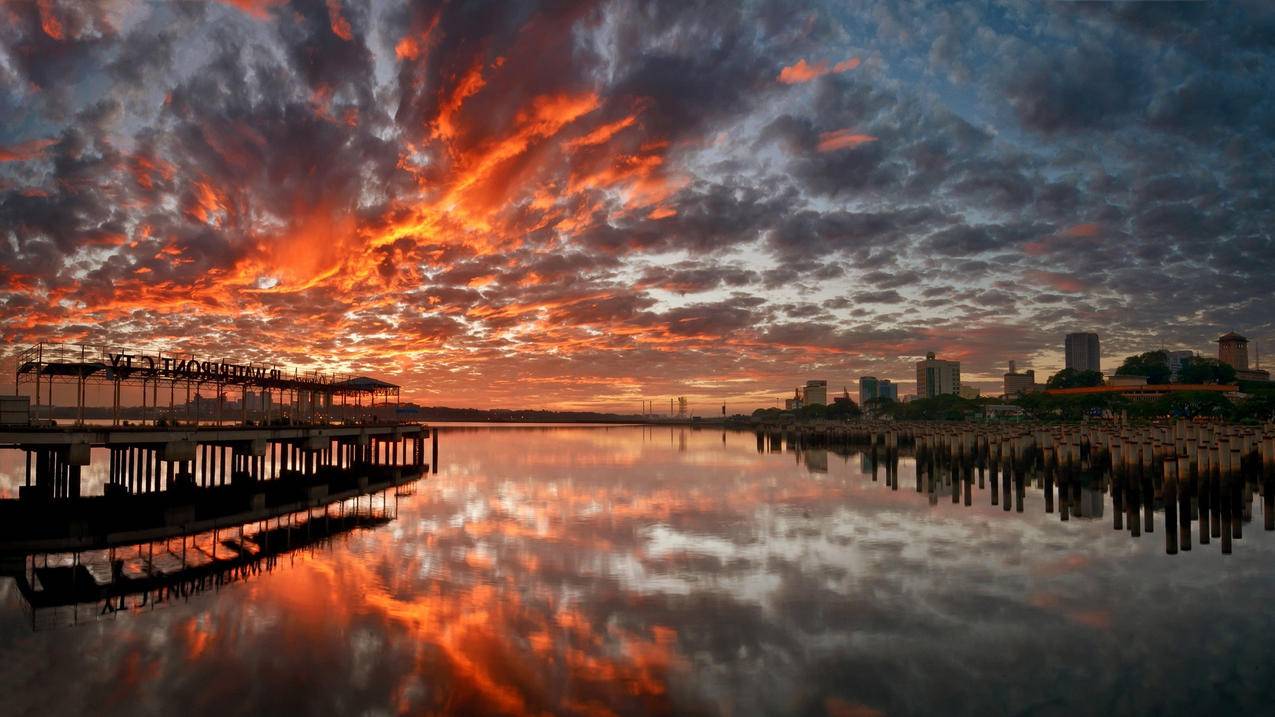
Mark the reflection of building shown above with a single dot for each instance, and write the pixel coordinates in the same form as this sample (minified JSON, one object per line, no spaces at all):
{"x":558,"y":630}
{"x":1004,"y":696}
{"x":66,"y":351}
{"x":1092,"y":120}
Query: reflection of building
{"x":816,"y":392}
{"x":1233,"y":349}
{"x":1018,"y":383}
{"x":1176,"y":359}
{"x":816,"y":460}
{"x":935,"y":377}
{"x":1082,"y":352}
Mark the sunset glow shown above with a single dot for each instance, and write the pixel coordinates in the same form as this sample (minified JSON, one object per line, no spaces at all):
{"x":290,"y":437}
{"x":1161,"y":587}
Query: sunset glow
{"x":585,"y":205}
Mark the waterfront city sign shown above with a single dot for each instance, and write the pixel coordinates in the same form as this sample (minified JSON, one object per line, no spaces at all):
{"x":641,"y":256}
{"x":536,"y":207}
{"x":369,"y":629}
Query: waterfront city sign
{"x":170,"y":367}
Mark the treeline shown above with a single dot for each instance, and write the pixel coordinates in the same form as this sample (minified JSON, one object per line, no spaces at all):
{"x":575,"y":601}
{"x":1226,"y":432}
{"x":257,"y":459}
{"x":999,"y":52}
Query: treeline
{"x":1256,"y":406}
{"x":504,"y":415}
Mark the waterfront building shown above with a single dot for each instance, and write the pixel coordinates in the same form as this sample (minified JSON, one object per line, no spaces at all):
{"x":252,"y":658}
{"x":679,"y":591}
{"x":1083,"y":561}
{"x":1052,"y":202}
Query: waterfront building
{"x":1019,"y":383}
{"x":869,"y":388}
{"x":1233,"y":349}
{"x":1176,"y":359}
{"x":794,"y":403}
{"x":1082,"y":352}
{"x":936,"y":376}
{"x":888,"y":389}
{"x":815,"y":392}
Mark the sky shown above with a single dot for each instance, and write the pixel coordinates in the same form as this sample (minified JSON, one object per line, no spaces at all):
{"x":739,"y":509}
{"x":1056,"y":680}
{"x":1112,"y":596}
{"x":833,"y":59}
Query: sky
{"x":585,"y":205}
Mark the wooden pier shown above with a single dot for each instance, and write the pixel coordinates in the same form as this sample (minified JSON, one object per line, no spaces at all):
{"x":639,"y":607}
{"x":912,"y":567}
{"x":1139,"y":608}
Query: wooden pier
{"x":1202,"y":472}
{"x":163,"y":482}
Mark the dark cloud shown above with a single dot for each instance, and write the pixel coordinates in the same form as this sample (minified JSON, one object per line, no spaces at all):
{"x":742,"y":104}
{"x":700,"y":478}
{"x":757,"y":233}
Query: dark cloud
{"x":604,"y":187}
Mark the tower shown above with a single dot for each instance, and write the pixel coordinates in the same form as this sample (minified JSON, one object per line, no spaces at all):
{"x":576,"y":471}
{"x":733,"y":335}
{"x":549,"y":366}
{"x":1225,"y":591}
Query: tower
{"x":1233,"y":349}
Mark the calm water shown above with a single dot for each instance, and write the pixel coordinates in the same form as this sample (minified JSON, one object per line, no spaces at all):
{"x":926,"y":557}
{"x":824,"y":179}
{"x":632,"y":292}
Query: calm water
{"x":628,"y":570}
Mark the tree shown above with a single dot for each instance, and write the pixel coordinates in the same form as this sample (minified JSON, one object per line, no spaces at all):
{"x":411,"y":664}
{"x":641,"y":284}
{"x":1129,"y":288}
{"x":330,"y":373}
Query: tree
{"x":1152,"y":364}
{"x":841,"y":410}
{"x":1071,"y":378}
{"x":1201,"y":369}
{"x":813,"y":412}
{"x":881,"y":406}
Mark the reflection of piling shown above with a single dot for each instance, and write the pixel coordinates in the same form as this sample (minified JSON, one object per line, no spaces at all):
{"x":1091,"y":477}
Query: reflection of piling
{"x":1238,"y":491}
{"x":1117,"y":486}
{"x":1184,"y":500}
{"x":1171,"y":507}
{"x":1268,"y":483}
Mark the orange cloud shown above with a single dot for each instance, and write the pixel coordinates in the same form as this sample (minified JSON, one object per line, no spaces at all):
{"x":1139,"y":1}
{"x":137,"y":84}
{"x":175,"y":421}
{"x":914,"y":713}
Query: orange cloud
{"x":24,"y":151}
{"x":49,"y":22}
{"x":1082,"y":230}
{"x":842,"y":139}
{"x":340,"y":26}
{"x":600,"y":135}
{"x":803,"y":71}
{"x":259,"y":9}
{"x":407,"y":48}
{"x":1061,"y":282}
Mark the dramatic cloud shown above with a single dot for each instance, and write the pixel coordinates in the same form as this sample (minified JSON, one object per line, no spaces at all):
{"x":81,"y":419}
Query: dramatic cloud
{"x":592,"y":203}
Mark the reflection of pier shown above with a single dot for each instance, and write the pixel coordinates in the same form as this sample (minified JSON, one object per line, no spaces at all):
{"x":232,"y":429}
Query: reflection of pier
{"x":70,"y":587}
{"x":292,"y":445}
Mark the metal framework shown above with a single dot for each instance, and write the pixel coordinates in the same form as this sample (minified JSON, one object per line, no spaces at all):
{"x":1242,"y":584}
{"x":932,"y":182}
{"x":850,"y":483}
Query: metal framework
{"x":311,"y":397}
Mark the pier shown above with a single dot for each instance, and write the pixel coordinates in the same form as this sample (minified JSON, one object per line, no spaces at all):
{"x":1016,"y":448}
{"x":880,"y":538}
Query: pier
{"x":126,"y":470}
{"x":1200,"y":475}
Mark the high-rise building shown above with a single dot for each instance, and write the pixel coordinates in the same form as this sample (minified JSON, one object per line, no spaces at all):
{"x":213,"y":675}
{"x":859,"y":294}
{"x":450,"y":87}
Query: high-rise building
{"x":1018,"y":383}
{"x":1176,"y":359}
{"x":1233,"y":349}
{"x":816,"y":392}
{"x":935,"y":377}
{"x":1082,"y":352}
{"x":871,"y":387}
{"x":868,"y":389}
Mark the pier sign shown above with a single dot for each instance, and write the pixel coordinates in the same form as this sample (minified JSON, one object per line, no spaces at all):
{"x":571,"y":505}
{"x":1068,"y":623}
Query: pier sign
{"x":171,"y":367}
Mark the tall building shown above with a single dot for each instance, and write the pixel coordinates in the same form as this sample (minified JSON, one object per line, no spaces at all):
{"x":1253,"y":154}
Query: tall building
{"x":1018,"y":383}
{"x":871,"y":387}
{"x":815,"y":392}
{"x":1233,"y":349}
{"x":935,"y":377}
{"x":868,"y":389}
{"x":1176,"y":359}
{"x":1082,"y":352}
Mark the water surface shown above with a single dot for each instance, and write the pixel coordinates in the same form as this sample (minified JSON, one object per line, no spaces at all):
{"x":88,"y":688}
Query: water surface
{"x":636,"y":570}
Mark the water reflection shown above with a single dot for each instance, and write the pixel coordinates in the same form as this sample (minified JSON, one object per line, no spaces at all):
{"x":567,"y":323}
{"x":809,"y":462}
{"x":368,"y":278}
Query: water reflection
{"x":639,"y":570}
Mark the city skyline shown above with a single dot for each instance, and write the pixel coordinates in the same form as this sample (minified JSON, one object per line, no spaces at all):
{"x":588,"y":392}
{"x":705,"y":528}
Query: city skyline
{"x":587,"y":205}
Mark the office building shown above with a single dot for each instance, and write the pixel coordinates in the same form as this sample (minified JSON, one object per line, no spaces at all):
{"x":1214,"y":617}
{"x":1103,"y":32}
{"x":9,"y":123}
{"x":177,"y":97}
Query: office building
{"x":1017,"y":383}
{"x":1082,"y":353}
{"x":1176,"y":359}
{"x":871,"y":387}
{"x":936,"y":376}
{"x":815,"y":392}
